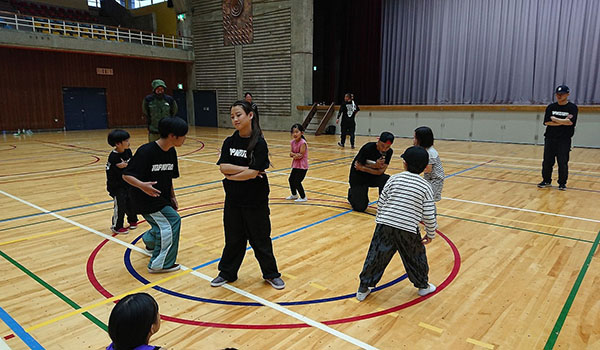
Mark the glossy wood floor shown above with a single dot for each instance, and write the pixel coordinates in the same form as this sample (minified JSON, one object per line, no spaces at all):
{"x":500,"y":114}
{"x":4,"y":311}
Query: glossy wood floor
{"x":516,"y":266}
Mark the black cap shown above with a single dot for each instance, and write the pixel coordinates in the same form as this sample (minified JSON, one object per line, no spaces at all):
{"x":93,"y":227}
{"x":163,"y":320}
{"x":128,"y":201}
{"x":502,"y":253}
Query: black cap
{"x":562,"y":89}
{"x":386,"y":137}
{"x":416,"y":158}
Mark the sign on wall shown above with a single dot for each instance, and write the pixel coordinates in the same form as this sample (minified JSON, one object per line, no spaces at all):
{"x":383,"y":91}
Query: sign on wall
{"x":104,"y":71}
{"x":237,"y":22}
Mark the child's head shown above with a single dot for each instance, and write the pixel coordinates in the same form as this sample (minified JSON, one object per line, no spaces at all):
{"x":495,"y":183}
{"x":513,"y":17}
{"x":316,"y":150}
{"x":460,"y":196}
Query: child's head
{"x":416,"y":159}
{"x":118,"y":136}
{"x":348,"y":97}
{"x":423,"y":137}
{"x":297,"y":132}
{"x":173,"y":125}
{"x":243,"y":115}
{"x":133,"y":320}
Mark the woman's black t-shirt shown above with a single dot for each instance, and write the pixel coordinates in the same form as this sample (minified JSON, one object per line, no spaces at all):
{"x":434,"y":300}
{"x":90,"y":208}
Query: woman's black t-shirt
{"x":249,"y":192}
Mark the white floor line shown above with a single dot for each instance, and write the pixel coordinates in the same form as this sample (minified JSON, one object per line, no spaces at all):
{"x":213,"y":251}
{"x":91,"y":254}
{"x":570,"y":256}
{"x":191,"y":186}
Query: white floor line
{"x":522,"y":209}
{"x":519,"y":158}
{"x":258,"y":299}
{"x":74,"y":170}
{"x":452,"y":199}
{"x":3,"y":345}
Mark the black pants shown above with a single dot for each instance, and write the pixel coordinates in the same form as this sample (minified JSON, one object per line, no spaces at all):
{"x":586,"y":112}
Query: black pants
{"x":242,"y":225}
{"x":347,"y":129}
{"x":358,"y":193}
{"x":122,"y":206}
{"x":295,"y":180}
{"x":559,"y":149}
{"x":385,"y":243}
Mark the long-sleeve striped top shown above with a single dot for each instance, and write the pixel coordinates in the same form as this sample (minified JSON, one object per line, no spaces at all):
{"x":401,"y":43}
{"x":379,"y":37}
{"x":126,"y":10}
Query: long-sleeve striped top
{"x":406,"y":200}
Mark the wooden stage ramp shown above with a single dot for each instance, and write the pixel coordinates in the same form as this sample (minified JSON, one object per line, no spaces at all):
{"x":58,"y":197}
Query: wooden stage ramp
{"x":517,"y":266}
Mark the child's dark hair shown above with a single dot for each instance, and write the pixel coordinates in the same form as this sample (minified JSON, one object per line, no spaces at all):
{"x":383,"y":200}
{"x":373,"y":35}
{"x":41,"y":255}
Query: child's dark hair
{"x":117,"y":136}
{"x":256,"y":130}
{"x":424,"y":136}
{"x":172,"y":125}
{"x":247,"y":93}
{"x":131,"y":320}
{"x":299,"y":127}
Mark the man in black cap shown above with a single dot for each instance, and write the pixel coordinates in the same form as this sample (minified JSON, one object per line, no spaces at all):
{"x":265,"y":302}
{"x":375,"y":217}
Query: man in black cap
{"x":405,"y":199}
{"x":368,"y":170}
{"x":560,"y":120}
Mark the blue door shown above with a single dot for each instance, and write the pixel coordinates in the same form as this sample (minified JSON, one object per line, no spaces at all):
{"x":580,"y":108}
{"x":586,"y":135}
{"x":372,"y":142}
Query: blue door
{"x":179,"y":97}
{"x":205,"y":108}
{"x":85,"y":108}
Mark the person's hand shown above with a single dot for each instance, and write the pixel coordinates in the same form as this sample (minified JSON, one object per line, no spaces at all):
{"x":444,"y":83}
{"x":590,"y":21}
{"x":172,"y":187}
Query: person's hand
{"x":174,"y":203}
{"x":149,"y":190}
{"x":122,"y":165}
{"x":426,"y":240}
{"x":358,"y":166}
{"x":380,"y":162}
{"x":570,"y":116}
{"x":337,"y":121}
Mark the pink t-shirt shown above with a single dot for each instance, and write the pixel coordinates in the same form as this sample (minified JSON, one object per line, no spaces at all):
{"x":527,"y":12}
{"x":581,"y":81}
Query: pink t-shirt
{"x":303,"y":162}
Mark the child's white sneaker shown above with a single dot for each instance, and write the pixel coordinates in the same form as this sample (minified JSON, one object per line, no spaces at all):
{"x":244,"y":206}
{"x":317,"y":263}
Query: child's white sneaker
{"x":424,"y":291}
{"x":301,"y":199}
{"x":291,"y":197}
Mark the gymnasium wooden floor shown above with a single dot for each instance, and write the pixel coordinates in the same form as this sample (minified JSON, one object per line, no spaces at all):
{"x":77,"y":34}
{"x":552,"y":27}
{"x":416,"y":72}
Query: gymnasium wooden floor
{"x":517,"y":266}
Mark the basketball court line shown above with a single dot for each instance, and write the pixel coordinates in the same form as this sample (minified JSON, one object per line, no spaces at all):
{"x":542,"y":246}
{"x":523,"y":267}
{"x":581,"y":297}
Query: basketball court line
{"x":19,"y":331}
{"x":3,"y":345}
{"x":517,"y":158}
{"x":258,"y":299}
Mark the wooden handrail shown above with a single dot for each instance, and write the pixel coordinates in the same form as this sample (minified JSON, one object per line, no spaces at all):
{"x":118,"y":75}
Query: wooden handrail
{"x":325,"y":120}
{"x":311,"y":114}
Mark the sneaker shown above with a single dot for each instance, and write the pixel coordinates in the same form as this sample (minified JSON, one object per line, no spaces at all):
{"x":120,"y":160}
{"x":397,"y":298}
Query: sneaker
{"x":218,"y":281}
{"x":362,"y":292}
{"x":544,"y":184}
{"x":169,"y":269}
{"x":424,"y":291}
{"x":340,"y":144}
{"x":301,"y":199}
{"x":562,"y":187}
{"x":133,"y":225}
{"x":352,"y":146}
{"x":120,"y":231}
{"x":291,"y":197}
{"x":276,"y":282}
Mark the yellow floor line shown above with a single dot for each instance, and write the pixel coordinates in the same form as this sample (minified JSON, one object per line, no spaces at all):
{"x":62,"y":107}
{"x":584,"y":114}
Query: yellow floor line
{"x":430,"y":327}
{"x":106,"y":301}
{"x":480,"y":343}
{"x":38,"y":236}
{"x":287,"y":275}
{"x":318,"y":286}
{"x":519,"y":221}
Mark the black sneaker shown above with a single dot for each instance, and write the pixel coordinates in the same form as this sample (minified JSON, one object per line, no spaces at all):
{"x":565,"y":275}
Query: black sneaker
{"x":276,"y":282}
{"x":218,"y":281}
{"x":340,"y":144}
{"x":544,"y":184}
{"x":562,"y":187}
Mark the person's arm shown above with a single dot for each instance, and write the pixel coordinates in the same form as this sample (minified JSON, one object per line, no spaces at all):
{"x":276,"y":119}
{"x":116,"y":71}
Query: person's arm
{"x":368,"y":169}
{"x":144,"y":186}
{"x":174,"y":108}
{"x":145,"y":112}
{"x":562,"y":121}
{"x":340,"y":111}
{"x":231,"y":169}
{"x":244,"y":175}
{"x":173,"y":199}
{"x":300,"y":154}
{"x":429,"y":219}
{"x":428,"y":168}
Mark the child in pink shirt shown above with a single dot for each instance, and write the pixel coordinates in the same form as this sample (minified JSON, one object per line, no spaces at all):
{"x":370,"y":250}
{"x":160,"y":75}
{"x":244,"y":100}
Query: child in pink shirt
{"x":299,"y":154}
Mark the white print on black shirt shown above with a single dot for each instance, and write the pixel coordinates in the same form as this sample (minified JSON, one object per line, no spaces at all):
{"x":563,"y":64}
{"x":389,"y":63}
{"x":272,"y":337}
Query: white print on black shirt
{"x":350,"y":108}
{"x":560,"y":114}
{"x":237,"y":153}
{"x":162,"y":167}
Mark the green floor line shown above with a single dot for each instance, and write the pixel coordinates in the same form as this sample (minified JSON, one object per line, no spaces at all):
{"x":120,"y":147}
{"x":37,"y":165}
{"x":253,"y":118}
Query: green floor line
{"x":56,"y":292}
{"x":565,"y":310}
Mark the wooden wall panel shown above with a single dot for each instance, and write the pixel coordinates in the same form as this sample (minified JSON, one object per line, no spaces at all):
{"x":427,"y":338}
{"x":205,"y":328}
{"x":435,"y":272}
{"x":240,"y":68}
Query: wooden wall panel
{"x":32,"y":82}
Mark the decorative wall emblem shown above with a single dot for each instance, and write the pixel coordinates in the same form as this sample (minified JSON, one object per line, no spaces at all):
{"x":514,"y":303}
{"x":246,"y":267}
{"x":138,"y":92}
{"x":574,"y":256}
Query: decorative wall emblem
{"x":237,"y":22}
